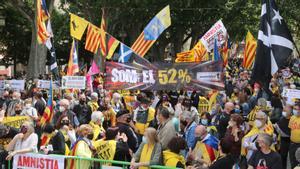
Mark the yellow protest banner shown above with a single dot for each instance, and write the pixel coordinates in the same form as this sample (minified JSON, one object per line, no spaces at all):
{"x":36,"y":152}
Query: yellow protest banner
{"x":15,"y":121}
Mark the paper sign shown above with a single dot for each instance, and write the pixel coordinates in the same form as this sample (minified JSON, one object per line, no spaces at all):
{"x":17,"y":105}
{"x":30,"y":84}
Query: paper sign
{"x":291,"y":93}
{"x":217,"y":31}
{"x":73,"y":82}
{"x":37,"y":161}
{"x":14,"y":84}
{"x":45,"y":84}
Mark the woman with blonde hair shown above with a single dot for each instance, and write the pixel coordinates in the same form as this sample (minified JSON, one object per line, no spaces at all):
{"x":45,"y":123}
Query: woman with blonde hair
{"x":24,"y":142}
{"x":149,"y":152}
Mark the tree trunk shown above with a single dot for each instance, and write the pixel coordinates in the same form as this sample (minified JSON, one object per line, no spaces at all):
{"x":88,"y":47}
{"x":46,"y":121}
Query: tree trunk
{"x":37,"y":57}
{"x":38,"y":54}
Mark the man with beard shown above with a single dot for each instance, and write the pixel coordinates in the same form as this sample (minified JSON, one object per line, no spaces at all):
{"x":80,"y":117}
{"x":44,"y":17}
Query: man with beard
{"x":82,"y":110}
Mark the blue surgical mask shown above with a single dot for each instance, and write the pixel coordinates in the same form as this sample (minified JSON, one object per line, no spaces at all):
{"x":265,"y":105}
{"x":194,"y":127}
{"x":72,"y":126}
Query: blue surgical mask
{"x":295,"y":112}
{"x":204,"y":122}
{"x":145,"y":140}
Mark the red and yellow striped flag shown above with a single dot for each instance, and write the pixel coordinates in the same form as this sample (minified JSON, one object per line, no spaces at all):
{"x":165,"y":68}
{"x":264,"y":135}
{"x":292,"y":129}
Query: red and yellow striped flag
{"x":249,"y":51}
{"x":199,"y":52}
{"x":93,"y":37}
{"x":41,"y":18}
{"x":103,"y":35}
{"x":141,"y":45}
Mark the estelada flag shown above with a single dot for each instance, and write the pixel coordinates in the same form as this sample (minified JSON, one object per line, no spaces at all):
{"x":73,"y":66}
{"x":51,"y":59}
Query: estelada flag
{"x":41,"y":18}
{"x":152,"y":31}
{"x":77,"y":26}
{"x":48,"y":112}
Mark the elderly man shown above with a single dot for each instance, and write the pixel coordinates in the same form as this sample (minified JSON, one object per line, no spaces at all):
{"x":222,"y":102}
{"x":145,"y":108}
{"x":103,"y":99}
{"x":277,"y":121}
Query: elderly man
{"x":94,"y":102}
{"x":96,"y":123}
{"x":166,"y":130}
{"x":64,"y":109}
{"x":260,"y":126}
{"x":223,"y":119}
{"x":265,"y":157}
{"x":10,"y":108}
{"x":82,"y":110}
{"x":188,"y":121}
{"x":206,"y":147}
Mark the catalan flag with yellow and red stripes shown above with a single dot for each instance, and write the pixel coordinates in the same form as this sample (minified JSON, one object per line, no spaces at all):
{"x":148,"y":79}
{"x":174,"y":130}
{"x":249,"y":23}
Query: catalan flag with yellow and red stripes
{"x":93,"y":37}
{"x":103,"y":35}
{"x":152,"y":31}
{"x":249,"y":51}
{"x":41,"y":18}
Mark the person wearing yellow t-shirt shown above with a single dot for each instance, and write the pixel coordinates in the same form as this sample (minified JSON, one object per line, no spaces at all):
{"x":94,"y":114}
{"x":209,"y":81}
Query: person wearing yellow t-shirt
{"x":294,"y":125}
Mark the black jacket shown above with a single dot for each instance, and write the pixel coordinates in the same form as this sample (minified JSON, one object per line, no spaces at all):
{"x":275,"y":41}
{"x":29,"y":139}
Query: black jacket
{"x":132,"y":137}
{"x":58,"y":144}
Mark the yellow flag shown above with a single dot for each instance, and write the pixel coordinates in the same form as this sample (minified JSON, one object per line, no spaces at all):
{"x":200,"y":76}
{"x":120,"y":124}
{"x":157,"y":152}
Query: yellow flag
{"x":77,"y":26}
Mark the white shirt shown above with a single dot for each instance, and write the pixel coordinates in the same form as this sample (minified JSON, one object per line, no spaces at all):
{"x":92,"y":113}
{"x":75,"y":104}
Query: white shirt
{"x":31,"y":111}
{"x":30,"y":142}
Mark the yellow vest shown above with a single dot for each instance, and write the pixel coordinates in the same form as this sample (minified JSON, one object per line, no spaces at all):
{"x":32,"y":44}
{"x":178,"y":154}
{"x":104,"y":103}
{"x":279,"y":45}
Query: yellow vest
{"x":171,"y":159}
{"x":142,"y":127}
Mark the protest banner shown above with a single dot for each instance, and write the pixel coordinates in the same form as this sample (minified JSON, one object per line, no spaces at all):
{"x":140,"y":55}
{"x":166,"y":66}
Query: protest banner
{"x":217,"y":31}
{"x":15,"y":121}
{"x":291,"y":93}
{"x":45,"y":84}
{"x":73,"y":82}
{"x":164,"y":76}
{"x":37,"y":161}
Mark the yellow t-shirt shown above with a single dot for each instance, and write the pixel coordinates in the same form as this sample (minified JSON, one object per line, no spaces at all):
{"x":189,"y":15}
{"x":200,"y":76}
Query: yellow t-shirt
{"x":294,"y":125}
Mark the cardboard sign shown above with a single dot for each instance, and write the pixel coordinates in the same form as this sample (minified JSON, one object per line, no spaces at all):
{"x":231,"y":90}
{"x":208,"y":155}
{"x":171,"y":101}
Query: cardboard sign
{"x":37,"y":161}
{"x":73,"y":82}
{"x":217,"y":31}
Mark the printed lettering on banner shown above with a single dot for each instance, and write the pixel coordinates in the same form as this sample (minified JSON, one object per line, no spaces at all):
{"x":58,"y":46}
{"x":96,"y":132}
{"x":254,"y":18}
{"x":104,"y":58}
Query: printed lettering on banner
{"x":37,"y":161}
{"x":73,"y":82}
{"x":217,"y":31}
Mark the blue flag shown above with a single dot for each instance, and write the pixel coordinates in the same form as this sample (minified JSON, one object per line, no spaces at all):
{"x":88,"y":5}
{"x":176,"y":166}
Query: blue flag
{"x":216,"y":52}
{"x":125,"y":53}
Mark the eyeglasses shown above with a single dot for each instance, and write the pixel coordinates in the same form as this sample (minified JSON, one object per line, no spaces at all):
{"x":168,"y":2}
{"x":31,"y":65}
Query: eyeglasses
{"x":259,"y":118}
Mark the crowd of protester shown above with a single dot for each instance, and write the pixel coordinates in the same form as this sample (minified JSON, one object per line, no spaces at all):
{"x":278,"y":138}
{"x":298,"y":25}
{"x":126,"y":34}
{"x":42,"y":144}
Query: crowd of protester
{"x":242,"y":127}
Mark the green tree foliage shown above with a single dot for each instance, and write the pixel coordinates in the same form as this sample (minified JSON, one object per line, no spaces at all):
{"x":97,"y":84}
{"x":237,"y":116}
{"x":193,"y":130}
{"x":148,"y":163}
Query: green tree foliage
{"x":127,"y":18}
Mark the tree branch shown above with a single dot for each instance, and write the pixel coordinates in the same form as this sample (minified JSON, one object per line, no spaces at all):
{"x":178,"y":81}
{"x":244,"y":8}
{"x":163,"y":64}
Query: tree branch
{"x":20,"y":6}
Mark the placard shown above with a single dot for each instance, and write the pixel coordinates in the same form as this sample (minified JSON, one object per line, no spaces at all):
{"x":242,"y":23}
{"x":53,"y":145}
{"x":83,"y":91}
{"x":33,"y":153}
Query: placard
{"x":73,"y":82}
{"x":164,"y":76}
{"x":37,"y":161}
{"x":217,"y":31}
{"x":14,"y":84}
{"x":291,"y":93}
{"x":45,"y":84}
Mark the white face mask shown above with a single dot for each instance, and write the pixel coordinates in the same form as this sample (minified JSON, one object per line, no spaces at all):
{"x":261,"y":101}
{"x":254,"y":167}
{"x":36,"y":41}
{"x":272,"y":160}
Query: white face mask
{"x":284,"y":114}
{"x":296,"y":113}
{"x":258,"y":123}
{"x":28,"y":106}
{"x":62,"y":109}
